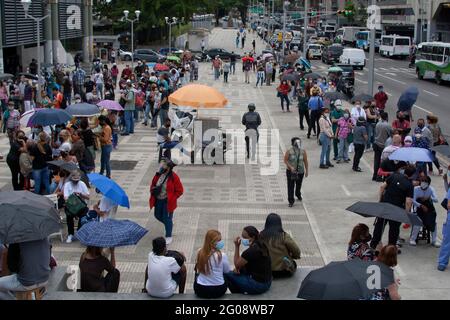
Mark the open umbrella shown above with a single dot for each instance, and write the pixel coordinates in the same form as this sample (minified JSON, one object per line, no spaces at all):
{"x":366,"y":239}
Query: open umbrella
{"x":151,"y":65}
{"x":384,"y":210}
{"x":304,"y":62}
{"x":198,"y":96}
{"x":110,"y":233}
{"x":363,"y":97}
{"x":110,"y":189}
{"x":312,"y":75}
{"x":160,"y":67}
{"x":48,"y":117}
{"x":82,"y":110}
{"x":26,"y":216}
{"x":332,"y":96}
{"x":346,"y":280}
{"x":25,"y":117}
{"x":110,"y":105}
{"x":28,"y":75}
{"x":6,"y":76}
{"x":64,"y":165}
{"x":408,"y":99}
{"x":443,"y":149}
{"x":174,"y":58}
{"x":335,"y":69}
{"x":294,"y":76}
{"x":267,"y":56}
{"x":412,"y":155}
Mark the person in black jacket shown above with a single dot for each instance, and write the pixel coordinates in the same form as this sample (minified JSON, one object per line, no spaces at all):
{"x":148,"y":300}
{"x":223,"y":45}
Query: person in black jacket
{"x":251,"y":120}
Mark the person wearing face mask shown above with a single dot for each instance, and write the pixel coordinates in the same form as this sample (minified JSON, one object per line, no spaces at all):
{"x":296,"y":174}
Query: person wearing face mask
{"x":251,"y":120}
{"x":402,"y":125}
{"x":296,"y":161}
{"x":11,"y":121}
{"x":358,"y":111}
{"x":303,"y":111}
{"x":381,"y":98}
{"x":359,"y":141}
{"x":325,"y":137}
{"x":358,"y":246}
{"x":424,"y":197}
{"x":74,"y":185}
{"x":283,"y":91}
{"x":17,"y":146}
{"x":165,"y":189}
{"x":210,"y":267}
{"x":282,"y":248}
{"x":344,"y":129}
{"x":397,"y":190}
{"x":408,"y":143}
{"x":336,"y":114}
{"x":253,"y":269}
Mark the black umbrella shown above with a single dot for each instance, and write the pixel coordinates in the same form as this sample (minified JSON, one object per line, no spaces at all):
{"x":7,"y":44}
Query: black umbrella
{"x":384,"y":210}
{"x":68,"y":166}
{"x":443,"y":149}
{"x":364,"y":97}
{"x":336,"y":95}
{"x":346,"y":280}
{"x":26,"y":216}
{"x":290,"y":77}
{"x":28,"y":75}
{"x":312,"y":75}
{"x":83,"y":110}
{"x":5,"y":76}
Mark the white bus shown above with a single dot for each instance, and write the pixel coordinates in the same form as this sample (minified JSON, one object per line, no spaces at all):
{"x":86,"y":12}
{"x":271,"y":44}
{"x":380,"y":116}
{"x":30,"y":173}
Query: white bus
{"x":395,"y":46}
{"x":433,"y":61}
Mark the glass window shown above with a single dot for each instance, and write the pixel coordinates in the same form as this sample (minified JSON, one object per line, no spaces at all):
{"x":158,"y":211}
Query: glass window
{"x":402,"y":42}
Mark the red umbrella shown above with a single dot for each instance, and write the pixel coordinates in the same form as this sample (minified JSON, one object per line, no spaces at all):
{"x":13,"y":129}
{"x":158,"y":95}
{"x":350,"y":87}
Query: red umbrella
{"x":161,"y":67}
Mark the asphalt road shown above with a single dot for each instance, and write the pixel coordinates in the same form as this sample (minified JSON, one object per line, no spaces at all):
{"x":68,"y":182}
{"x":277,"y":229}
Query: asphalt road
{"x":395,"y":75}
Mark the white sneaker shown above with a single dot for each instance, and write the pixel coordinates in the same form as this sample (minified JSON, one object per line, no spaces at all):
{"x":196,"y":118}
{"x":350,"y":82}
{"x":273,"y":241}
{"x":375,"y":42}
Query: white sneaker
{"x":436,"y":244}
{"x":168,"y":240}
{"x":69,"y":238}
{"x":412,"y":243}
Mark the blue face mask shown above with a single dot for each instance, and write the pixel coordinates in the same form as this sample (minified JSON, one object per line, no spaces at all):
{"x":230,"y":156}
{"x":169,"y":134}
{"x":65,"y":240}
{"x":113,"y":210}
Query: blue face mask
{"x":245,"y":242}
{"x":220,"y":245}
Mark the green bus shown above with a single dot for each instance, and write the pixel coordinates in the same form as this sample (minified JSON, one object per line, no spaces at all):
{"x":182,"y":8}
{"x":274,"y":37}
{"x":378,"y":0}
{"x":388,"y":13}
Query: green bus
{"x":433,"y":61}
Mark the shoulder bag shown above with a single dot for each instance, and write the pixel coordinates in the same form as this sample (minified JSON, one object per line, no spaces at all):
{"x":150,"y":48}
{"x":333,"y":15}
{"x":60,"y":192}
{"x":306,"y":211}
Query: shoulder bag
{"x":75,"y":205}
{"x":156,"y":190}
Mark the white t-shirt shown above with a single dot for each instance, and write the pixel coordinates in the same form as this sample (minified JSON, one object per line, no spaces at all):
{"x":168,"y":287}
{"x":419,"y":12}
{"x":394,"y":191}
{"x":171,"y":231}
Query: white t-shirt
{"x":355,"y":113}
{"x":160,"y":283}
{"x":215,"y":277}
{"x":70,"y":187}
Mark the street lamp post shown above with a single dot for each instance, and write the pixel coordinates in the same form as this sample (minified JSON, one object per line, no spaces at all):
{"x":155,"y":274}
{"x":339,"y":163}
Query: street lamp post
{"x":305,"y":31}
{"x":137,"y":13}
{"x":26,"y":6}
{"x":170,"y":22}
{"x":285,"y":5}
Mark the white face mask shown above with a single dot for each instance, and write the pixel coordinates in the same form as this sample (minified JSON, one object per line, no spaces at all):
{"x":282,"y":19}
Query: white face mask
{"x":298,"y":143}
{"x":424,"y":185}
{"x":358,"y":106}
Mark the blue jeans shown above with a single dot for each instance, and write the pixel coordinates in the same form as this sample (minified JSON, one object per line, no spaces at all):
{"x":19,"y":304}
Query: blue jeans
{"x":284,"y":97}
{"x":146,"y":112}
{"x":104,"y":160}
{"x":115,"y":139}
{"x":100,"y":90}
{"x":371,"y":134}
{"x":41,"y":179}
{"x":260,"y":78}
{"x":129,"y":121}
{"x":444,"y":254}
{"x":163,"y":115}
{"x":162,"y":215}
{"x":326,"y":149}
{"x":216,"y":73}
{"x":242,"y":283}
{"x":343,"y":149}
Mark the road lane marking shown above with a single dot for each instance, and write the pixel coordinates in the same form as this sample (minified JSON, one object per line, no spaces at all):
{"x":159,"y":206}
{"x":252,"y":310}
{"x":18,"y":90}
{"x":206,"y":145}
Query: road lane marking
{"x":416,"y":106}
{"x":359,"y":73}
{"x":364,"y":162}
{"x":362,"y":81}
{"x":347,"y":193}
{"x":391,"y":74}
{"x":395,"y":80}
{"x":432,"y":93}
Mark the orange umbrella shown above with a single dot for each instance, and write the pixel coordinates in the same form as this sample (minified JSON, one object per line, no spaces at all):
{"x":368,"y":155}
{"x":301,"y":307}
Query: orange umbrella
{"x":198,"y":96}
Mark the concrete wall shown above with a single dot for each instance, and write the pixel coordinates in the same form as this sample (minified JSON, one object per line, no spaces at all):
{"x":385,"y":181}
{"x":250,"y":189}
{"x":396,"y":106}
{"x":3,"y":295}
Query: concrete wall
{"x":194,"y":40}
{"x":27,"y":54}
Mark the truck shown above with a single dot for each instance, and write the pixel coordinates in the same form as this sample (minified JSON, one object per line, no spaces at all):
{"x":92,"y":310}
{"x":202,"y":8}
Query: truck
{"x":347,"y":35}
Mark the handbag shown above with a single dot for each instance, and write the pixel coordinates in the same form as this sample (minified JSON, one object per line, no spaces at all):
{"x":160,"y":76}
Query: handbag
{"x":156,"y":190}
{"x":75,"y":205}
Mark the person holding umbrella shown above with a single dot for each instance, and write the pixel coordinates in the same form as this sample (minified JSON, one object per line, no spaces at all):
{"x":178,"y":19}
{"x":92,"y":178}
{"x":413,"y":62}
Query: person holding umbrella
{"x":399,"y":191}
{"x":92,"y":265}
{"x":165,"y":189}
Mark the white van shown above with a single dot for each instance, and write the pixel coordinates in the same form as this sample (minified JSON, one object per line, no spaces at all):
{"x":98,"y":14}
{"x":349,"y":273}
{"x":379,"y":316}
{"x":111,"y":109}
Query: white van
{"x":354,"y":57}
{"x":395,"y":46}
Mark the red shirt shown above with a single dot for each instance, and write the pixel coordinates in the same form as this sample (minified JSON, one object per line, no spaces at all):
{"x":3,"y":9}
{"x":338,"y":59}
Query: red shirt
{"x":174,"y":190}
{"x":284,"y":88}
{"x":58,"y":100}
{"x":380,"y":99}
{"x":127,"y":72}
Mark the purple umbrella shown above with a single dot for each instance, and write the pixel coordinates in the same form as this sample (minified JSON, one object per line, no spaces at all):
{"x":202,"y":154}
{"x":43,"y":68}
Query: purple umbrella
{"x":110,"y":105}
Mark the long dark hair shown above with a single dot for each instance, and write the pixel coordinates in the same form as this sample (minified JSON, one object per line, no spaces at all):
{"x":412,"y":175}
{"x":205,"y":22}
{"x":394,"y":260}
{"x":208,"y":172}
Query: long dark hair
{"x":273,"y":229}
{"x":358,"y":231}
{"x":254,"y":233}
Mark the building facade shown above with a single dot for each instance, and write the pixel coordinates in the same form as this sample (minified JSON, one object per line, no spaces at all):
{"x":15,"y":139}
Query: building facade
{"x":68,"y":27}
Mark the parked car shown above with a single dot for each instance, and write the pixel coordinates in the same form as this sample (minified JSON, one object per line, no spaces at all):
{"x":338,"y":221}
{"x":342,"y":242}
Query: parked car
{"x":148,"y":55}
{"x":223,"y":54}
{"x":353,"y":57}
{"x":125,"y":55}
{"x":314,"y":51}
{"x":165,"y":51}
{"x":332,"y":53}
{"x":296,"y":42}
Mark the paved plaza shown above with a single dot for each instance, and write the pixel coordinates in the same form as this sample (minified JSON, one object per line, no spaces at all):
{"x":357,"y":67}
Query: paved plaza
{"x":228,"y":197}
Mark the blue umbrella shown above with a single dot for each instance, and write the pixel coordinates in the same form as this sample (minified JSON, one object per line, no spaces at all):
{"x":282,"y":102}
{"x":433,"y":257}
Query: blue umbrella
{"x":49,"y":117}
{"x":151,"y":64}
{"x":83,"y":110}
{"x":110,"y":189}
{"x":304,"y":62}
{"x":412,"y":155}
{"x":408,"y":99}
{"x":110,"y":233}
